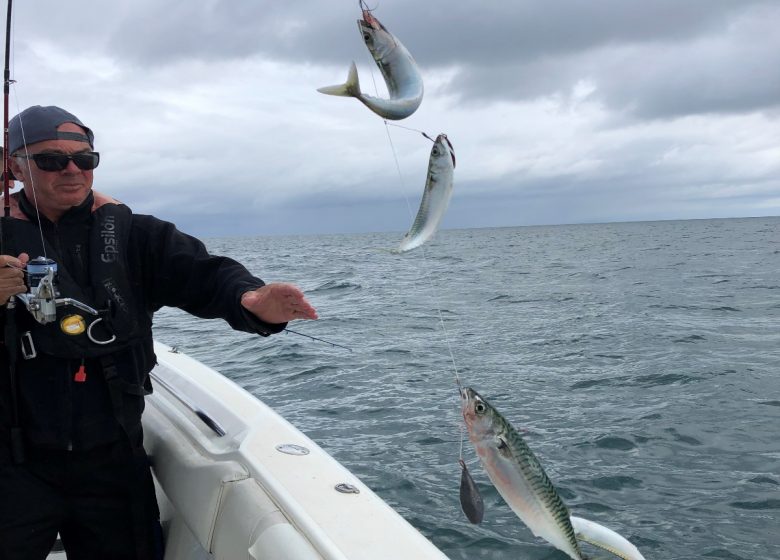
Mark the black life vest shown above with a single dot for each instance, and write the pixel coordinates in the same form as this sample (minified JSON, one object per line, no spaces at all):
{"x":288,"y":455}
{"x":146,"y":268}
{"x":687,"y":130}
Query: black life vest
{"x":121,"y":320}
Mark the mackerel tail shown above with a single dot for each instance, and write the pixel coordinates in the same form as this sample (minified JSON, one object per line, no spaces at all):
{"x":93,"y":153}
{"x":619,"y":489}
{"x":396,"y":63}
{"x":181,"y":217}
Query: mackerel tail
{"x":350,"y":88}
{"x":605,"y":538}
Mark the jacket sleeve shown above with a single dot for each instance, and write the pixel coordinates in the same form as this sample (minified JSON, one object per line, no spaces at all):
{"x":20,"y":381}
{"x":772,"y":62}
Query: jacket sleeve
{"x":178,"y":271}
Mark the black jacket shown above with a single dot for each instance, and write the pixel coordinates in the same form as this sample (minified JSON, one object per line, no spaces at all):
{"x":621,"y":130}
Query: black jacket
{"x":165,"y":267}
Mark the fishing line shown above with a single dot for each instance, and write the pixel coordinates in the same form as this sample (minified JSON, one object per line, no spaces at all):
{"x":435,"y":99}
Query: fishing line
{"x":425,"y":259}
{"x":421,"y":248}
{"x":409,"y":128}
{"x":364,"y":6}
{"x":318,"y":339}
{"x":435,"y":297}
{"x":411,"y":216}
{"x":12,"y":84}
{"x":29,"y":169}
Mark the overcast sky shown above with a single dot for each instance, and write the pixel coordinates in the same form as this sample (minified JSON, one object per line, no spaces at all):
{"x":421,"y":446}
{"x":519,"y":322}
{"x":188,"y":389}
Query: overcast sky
{"x":206,"y":111}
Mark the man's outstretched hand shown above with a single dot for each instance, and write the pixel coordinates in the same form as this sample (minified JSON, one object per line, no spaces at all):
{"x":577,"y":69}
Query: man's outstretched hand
{"x":278,"y":303}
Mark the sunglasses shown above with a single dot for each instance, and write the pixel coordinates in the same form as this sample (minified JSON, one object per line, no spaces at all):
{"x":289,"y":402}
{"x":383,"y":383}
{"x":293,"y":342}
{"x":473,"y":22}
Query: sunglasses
{"x":57,"y":162}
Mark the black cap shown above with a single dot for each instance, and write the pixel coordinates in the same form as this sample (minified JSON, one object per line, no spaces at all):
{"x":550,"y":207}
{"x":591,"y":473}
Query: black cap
{"x":39,"y":124}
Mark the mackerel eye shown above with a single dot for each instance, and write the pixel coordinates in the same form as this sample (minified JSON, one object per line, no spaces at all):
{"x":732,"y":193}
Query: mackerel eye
{"x":480,"y":408}
{"x":366,"y":37}
{"x":435,"y":151}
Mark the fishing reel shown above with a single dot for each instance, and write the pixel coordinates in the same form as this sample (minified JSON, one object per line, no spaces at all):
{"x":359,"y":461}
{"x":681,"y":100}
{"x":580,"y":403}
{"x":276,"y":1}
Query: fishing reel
{"x":42,"y":299}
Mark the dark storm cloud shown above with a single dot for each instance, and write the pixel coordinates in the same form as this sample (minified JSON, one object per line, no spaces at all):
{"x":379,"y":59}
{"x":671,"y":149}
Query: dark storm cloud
{"x":655,"y":64}
{"x":522,"y":31}
{"x":285,"y":31}
{"x":648,"y":59}
{"x":441,"y":33}
{"x":664,"y":58}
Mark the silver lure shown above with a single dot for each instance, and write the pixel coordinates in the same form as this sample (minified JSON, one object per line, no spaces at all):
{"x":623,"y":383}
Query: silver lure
{"x":399,"y":70}
{"x":436,"y":196}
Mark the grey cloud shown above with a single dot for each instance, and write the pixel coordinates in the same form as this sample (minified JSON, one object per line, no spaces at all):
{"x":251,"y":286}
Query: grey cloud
{"x":724,"y":72}
{"x":518,"y":31}
{"x":438,"y":32}
{"x":200,"y":29}
{"x":649,"y":59}
{"x":726,"y":75}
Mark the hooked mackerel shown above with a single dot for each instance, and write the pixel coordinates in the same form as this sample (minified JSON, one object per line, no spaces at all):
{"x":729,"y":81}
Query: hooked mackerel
{"x":398,"y":68}
{"x":436,"y":196}
{"x":520,"y":479}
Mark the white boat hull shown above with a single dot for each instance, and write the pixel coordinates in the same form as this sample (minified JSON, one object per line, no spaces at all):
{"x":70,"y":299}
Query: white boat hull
{"x":238,"y":496}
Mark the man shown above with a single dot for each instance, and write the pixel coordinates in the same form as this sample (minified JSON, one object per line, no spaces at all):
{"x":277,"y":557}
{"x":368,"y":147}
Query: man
{"x":72,"y":388}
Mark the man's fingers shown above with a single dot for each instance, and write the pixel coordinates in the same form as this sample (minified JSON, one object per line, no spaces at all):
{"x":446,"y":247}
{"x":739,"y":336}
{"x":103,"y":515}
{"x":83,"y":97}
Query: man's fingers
{"x":278,"y":303}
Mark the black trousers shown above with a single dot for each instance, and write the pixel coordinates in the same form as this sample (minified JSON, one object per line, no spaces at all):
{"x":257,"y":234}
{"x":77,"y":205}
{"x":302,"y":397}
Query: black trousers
{"x":100,"y":501}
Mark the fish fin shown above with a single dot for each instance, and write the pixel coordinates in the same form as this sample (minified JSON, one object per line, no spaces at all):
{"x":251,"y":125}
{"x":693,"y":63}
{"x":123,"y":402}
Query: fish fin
{"x":604,"y":538}
{"x":350,"y":88}
{"x":503,"y":448}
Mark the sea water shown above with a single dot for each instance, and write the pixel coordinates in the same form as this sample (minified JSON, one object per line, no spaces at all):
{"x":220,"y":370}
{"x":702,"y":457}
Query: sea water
{"x":641,"y":361}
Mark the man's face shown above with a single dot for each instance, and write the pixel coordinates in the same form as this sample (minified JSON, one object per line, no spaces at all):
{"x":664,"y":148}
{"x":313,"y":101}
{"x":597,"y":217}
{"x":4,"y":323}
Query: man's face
{"x":55,"y":192}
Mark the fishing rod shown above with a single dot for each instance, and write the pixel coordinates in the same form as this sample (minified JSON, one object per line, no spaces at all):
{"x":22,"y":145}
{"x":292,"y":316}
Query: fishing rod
{"x":6,"y":89}
{"x":318,"y":339}
{"x":10,"y":333}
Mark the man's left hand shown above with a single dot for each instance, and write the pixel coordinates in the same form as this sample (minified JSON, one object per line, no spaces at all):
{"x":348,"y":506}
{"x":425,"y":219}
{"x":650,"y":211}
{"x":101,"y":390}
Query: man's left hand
{"x":278,"y":303}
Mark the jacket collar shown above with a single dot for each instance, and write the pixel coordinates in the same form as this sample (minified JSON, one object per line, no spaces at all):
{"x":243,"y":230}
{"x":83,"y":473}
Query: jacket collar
{"x":73,"y":215}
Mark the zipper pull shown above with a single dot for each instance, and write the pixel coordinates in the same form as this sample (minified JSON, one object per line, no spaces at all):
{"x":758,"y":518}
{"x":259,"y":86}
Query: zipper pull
{"x":81,"y":374}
